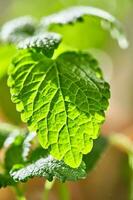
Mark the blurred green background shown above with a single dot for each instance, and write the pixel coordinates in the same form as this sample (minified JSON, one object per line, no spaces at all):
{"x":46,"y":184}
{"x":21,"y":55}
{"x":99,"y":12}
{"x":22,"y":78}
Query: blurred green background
{"x":106,"y":182}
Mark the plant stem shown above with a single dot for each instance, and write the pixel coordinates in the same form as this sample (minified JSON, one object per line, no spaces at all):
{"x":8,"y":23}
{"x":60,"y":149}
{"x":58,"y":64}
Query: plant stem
{"x":19,"y":194}
{"x":122,"y":142}
{"x":131,"y":179}
{"x":131,"y":186}
{"x":48,"y":186}
{"x":126,"y":145}
{"x":64,"y":192}
{"x":21,"y":198}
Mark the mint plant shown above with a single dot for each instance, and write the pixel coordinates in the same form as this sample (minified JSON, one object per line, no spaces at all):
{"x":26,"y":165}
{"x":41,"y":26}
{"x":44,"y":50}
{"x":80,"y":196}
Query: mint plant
{"x":61,"y":95}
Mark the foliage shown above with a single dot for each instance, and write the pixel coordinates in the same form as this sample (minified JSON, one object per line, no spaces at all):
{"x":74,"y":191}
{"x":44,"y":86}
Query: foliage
{"x":46,"y":166}
{"x":62,"y":99}
{"x":39,"y":162}
{"x":58,"y":93}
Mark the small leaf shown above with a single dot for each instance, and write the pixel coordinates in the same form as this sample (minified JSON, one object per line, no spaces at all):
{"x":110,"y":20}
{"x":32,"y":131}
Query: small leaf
{"x":18,"y":29}
{"x":10,"y":141}
{"x":45,"y":43}
{"x":16,"y":145}
{"x":13,"y":154}
{"x":63,"y":100}
{"x":43,"y":165}
{"x":46,"y":166}
{"x":77,"y":13}
{"x":27,"y":145}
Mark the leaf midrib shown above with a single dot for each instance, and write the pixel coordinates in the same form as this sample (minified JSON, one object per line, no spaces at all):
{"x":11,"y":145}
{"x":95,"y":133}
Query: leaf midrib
{"x":58,"y":79}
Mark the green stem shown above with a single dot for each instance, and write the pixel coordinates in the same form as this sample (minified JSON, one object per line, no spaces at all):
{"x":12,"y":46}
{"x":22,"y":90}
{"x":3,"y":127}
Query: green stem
{"x":125,"y":144}
{"x":19,"y":194}
{"x":21,"y":198}
{"x":131,"y":179}
{"x":122,"y":142}
{"x":47,"y":188}
{"x":64,"y":192}
{"x":131,"y":187}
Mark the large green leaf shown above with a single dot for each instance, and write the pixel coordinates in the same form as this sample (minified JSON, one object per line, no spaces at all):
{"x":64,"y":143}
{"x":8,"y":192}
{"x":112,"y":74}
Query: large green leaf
{"x":77,"y":13}
{"x":63,"y":100}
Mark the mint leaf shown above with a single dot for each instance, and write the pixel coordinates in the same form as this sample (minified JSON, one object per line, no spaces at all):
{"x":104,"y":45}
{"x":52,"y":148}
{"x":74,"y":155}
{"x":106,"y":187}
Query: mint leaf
{"x":77,"y":13}
{"x":18,"y":29}
{"x":17,"y":144}
{"x":45,"y":43}
{"x":63,"y":100}
{"x":48,"y":167}
{"x":41,"y":164}
{"x":27,"y":144}
{"x":13,"y":153}
{"x":11,"y":141}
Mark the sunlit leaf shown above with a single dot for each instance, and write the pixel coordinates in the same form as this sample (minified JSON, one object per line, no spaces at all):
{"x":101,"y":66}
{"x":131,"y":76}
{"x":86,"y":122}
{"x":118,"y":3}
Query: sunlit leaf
{"x":63,"y":100}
